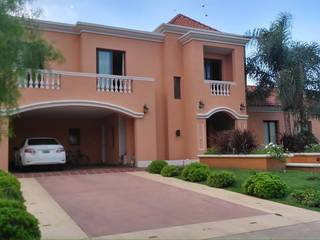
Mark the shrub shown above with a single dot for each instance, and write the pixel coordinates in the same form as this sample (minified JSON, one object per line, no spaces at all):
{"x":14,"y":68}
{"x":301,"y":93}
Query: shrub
{"x":312,"y":148}
{"x":10,"y":188}
{"x":195,"y":172}
{"x":212,"y":150}
{"x":156,"y":166}
{"x":12,"y":204}
{"x":298,"y":142}
{"x":17,"y":224}
{"x":221,"y":179}
{"x":265,"y":185}
{"x":170,"y":171}
{"x":235,"y":141}
{"x":277,"y":152}
{"x":309,"y":197}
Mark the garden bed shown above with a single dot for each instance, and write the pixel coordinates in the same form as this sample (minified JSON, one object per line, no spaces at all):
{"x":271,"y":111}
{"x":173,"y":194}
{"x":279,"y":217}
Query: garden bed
{"x":305,"y":158}
{"x":242,"y":161}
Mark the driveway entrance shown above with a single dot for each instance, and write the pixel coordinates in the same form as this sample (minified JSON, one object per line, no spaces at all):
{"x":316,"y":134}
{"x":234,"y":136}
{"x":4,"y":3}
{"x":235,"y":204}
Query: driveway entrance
{"x":103,"y":204}
{"x":138,"y":205}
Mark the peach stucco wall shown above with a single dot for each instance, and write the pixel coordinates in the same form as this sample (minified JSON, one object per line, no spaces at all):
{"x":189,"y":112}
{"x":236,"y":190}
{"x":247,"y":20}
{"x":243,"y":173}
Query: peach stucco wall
{"x":195,"y":89}
{"x":153,"y":136}
{"x":256,"y":119}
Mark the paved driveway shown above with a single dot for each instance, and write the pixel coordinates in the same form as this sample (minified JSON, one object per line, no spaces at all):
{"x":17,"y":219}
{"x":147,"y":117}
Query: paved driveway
{"x":138,"y":205}
{"x":103,"y":204}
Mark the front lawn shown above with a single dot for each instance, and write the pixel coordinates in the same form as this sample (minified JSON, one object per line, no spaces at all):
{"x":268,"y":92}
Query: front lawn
{"x":296,"y":180}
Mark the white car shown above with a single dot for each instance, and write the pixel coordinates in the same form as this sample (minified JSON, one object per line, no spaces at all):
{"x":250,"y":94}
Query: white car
{"x":40,"y":151}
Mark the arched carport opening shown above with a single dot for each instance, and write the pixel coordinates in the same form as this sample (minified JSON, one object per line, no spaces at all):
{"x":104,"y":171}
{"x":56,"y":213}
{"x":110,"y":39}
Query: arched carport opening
{"x":217,"y":123}
{"x":92,"y":133}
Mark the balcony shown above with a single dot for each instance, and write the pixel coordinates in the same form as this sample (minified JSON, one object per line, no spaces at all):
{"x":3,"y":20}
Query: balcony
{"x":220,"y":88}
{"x":130,"y":92}
{"x":51,"y":80}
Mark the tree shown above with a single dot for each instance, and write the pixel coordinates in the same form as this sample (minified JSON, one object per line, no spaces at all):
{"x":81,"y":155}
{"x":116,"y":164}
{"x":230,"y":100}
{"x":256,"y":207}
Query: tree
{"x":21,"y":48}
{"x":289,"y":67}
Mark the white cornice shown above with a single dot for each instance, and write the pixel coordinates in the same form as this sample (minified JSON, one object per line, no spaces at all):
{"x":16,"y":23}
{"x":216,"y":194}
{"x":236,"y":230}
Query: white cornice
{"x":81,"y":27}
{"x":217,"y":37}
{"x":82,"y":103}
{"x":189,"y":33}
{"x":230,"y":111}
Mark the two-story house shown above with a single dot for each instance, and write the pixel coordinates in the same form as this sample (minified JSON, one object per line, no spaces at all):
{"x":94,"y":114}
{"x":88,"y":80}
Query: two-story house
{"x":124,"y":94}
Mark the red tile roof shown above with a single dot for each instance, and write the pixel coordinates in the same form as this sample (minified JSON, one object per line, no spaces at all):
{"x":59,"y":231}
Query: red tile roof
{"x":271,"y":101}
{"x":183,"y":20}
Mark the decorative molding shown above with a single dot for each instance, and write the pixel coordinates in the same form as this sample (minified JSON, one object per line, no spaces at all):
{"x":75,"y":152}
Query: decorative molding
{"x":223,"y":109}
{"x":182,"y":162}
{"x":304,"y":165}
{"x":189,"y":34}
{"x":82,"y":27}
{"x":95,"y":75}
{"x":80,"y":103}
{"x":240,"y":155}
{"x":212,"y":36}
{"x":307,"y":154}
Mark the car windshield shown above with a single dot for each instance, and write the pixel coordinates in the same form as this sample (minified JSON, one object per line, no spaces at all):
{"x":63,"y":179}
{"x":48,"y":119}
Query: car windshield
{"x":42,"y":141}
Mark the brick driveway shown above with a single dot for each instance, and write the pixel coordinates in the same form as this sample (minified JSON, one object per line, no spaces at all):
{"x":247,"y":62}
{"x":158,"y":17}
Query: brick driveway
{"x":113,"y":203}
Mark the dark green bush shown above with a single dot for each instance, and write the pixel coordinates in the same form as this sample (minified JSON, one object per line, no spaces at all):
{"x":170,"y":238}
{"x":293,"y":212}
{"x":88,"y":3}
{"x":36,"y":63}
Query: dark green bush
{"x":10,"y":188}
{"x":156,"y":166}
{"x":17,"y":224}
{"x":170,"y":171}
{"x":3,"y":173}
{"x":195,"y":172}
{"x":298,"y":142}
{"x":221,"y":179}
{"x":235,"y":141}
{"x":212,"y":150}
{"x":265,"y":185}
{"x":12,"y":204}
{"x":312,"y":148}
{"x":309,"y":197}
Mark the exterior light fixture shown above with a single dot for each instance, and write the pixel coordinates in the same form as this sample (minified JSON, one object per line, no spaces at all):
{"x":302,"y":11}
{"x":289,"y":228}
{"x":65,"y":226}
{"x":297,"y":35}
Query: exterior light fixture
{"x":178,"y":132}
{"x":201,"y":105}
{"x":242,"y":107}
{"x":145,"y":108}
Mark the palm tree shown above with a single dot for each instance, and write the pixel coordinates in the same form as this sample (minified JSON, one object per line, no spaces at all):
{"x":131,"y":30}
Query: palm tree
{"x":291,"y":68}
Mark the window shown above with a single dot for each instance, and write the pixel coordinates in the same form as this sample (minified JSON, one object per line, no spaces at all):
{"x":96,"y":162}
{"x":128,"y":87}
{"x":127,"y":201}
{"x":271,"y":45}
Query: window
{"x":270,"y":131}
{"x":42,"y":141}
{"x":74,"y":136}
{"x":177,"y":87}
{"x":212,"y":69}
{"x":110,"y":62}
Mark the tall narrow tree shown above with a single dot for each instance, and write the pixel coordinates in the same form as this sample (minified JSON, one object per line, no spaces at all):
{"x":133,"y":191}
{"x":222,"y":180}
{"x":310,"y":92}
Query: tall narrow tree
{"x":289,"y":67}
{"x":21,"y":47}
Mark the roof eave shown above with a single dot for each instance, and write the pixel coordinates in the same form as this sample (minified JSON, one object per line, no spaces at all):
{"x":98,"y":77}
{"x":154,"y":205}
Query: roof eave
{"x":218,"y":37}
{"x":81,"y":27}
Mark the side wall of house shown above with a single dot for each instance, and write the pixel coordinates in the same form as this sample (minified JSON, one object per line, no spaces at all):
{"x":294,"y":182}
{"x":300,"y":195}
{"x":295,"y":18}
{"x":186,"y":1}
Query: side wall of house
{"x":256,"y":124}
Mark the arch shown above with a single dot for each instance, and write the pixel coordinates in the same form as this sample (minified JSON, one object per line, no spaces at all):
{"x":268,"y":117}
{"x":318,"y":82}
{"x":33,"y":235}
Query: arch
{"x":80,"y":103}
{"x":227,"y":110}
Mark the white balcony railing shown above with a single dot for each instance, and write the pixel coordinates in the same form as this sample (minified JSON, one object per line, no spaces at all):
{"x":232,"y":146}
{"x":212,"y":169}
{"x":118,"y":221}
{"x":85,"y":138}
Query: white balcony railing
{"x":220,"y":88}
{"x":40,"y":79}
{"x":51,"y":79}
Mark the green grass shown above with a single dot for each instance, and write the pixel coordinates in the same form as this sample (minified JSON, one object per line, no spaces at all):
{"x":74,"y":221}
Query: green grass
{"x":296,"y":180}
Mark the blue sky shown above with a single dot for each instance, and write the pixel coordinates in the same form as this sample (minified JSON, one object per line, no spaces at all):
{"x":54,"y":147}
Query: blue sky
{"x":234,"y":16}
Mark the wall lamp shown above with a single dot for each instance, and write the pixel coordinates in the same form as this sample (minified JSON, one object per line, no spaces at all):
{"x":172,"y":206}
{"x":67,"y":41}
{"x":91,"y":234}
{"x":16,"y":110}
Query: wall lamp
{"x":145,"y":108}
{"x":242,"y":107}
{"x":201,"y":104}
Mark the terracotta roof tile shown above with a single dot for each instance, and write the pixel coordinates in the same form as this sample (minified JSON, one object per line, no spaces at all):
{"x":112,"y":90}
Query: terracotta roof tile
{"x":183,"y":20}
{"x":271,"y":100}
